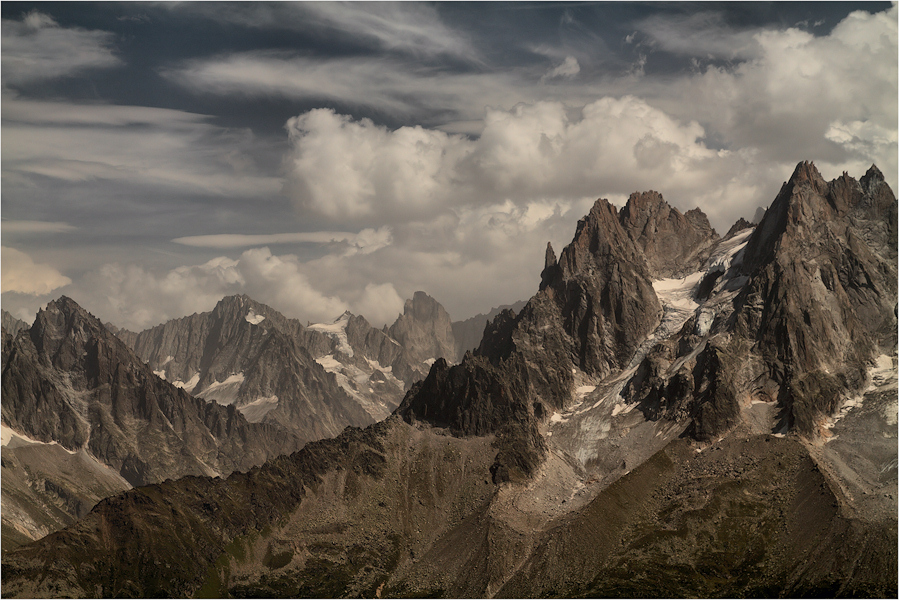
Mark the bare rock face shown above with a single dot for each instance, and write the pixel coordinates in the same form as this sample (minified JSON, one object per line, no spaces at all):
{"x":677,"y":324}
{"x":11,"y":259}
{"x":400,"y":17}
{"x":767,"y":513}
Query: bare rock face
{"x":673,"y":244}
{"x":821,"y":302}
{"x":69,"y":382}
{"x":794,"y":321}
{"x":595,"y":306}
{"x":468,"y":333}
{"x":247,"y":355}
{"x":12,"y":325}
{"x":425,"y":331}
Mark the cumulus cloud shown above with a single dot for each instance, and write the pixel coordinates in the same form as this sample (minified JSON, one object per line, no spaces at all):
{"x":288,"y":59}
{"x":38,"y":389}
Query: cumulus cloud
{"x":356,"y":171}
{"x":568,"y":68}
{"x":828,"y":98}
{"x":24,"y":276}
{"x":350,"y":170}
{"x":37,"y":48}
{"x":136,"y":298}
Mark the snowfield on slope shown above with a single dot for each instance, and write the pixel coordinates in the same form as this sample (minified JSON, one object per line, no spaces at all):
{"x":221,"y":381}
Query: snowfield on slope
{"x":337,"y":330}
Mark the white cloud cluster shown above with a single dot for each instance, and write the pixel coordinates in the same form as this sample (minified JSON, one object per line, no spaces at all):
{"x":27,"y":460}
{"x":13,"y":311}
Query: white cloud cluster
{"x":37,"y":48}
{"x":831,"y":98}
{"x":356,"y":171}
{"x":568,"y":68}
{"x":137,"y":298}
{"x":20,"y":274}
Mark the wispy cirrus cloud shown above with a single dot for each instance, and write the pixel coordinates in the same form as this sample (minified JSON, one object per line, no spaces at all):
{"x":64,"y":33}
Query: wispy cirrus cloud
{"x":413,"y":29}
{"x":25,"y":227}
{"x":37,"y":48}
{"x":134,"y":145}
{"x":364,"y":242}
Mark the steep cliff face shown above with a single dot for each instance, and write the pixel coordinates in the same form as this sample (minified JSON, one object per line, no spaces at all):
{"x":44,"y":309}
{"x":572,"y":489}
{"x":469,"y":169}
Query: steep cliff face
{"x":68,"y":381}
{"x":673,"y":244}
{"x":425,"y":332}
{"x":792,"y":321}
{"x":820,"y":306}
{"x":248,"y":355}
{"x":469,"y":332}
{"x":12,"y":325}
{"x":314,"y":380}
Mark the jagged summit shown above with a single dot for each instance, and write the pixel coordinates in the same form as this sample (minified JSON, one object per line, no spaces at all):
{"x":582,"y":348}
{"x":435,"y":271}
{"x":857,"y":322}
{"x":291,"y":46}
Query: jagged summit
{"x":673,"y":244}
{"x":424,"y":329}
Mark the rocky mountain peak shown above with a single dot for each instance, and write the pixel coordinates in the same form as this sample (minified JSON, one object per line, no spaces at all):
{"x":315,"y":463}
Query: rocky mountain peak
{"x":806,"y":172}
{"x":673,"y":243}
{"x":63,"y":328}
{"x":424,"y":329}
{"x":872,"y":177}
{"x":12,"y":325}
{"x":599,"y":237}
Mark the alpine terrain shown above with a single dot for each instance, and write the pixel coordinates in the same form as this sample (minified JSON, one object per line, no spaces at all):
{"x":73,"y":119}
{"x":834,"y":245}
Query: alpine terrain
{"x":673,"y":413}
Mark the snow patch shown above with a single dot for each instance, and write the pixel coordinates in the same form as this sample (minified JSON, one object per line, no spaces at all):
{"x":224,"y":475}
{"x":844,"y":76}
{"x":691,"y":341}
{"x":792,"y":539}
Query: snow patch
{"x":337,"y":330}
{"x":9,"y":435}
{"x":160,"y":374}
{"x":583,"y":390}
{"x":729,"y":252}
{"x":256,"y":410}
{"x":329,"y":363}
{"x":223,"y":392}
{"x":356,"y":383}
{"x":189,"y":385}
{"x":882,"y":372}
{"x":430,"y":362}
{"x":254,"y":319}
{"x":704,"y":323}
{"x":623,"y":409}
{"x":558,"y":418}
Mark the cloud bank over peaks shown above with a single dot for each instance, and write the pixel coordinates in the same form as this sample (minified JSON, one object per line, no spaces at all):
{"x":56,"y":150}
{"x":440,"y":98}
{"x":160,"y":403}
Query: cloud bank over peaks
{"x":136,"y":298}
{"x":354,"y":171}
{"x":24,"y":276}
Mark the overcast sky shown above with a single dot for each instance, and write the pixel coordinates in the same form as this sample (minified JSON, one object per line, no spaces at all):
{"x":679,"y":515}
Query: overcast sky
{"x":322,"y":157}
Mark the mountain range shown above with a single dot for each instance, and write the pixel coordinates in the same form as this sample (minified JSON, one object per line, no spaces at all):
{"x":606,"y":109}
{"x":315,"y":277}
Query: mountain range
{"x":673,"y":413}
{"x":305,"y":383}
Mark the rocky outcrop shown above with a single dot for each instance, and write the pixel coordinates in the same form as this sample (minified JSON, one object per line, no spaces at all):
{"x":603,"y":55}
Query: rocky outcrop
{"x":425,"y":332}
{"x":672,"y":243}
{"x":595,"y":306}
{"x":12,"y":325}
{"x":820,"y":304}
{"x":468,"y":333}
{"x":794,"y":320}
